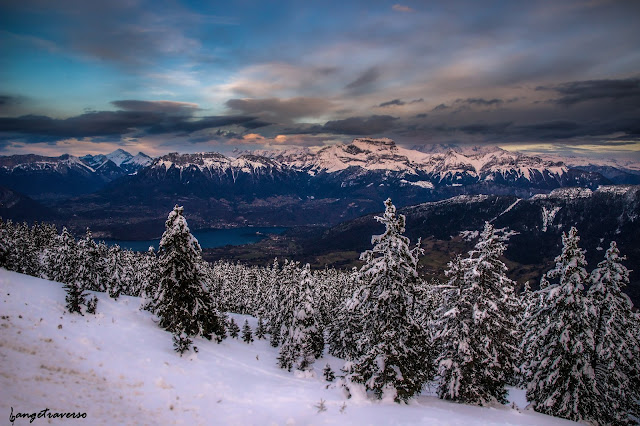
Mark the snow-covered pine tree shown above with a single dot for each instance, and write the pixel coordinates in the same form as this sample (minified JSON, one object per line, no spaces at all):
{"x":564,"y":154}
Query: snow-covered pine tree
{"x":64,"y":264}
{"x":616,"y":356}
{"x":145,"y":277}
{"x":329,"y":375}
{"x":23,"y":254}
{"x":452,"y":331}
{"x":115,"y":269}
{"x":529,"y":304}
{"x":344,"y":325}
{"x":302,"y":342}
{"x":282,"y":299}
{"x":89,"y":272}
{"x":4,"y":243}
{"x":233,"y":328}
{"x":395,"y":356}
{"x":561,"y":380}
{"x":181,"y":300}
{"x":479,"y":328}
{"x":247,"y":335}
{"x":261,"y":329}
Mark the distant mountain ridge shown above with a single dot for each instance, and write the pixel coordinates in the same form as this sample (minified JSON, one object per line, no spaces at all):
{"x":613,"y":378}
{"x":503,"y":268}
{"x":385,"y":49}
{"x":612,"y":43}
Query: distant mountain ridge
{"x":121,"y":159}
{"x":46,"y":178}
{"x":121,"y":195}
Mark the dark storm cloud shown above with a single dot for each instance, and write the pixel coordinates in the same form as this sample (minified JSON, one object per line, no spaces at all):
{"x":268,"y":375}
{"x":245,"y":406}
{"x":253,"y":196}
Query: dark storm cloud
{"x":355,"y":126}
{"x":399,"y":102}
{"x":283,"y":109}
{"x":364,"y":82}
{"x":395,"y":102}
{"x":539,"y":131}
{"x":372,"y":125}
{"x":562,"y":129}
{"x":461,"y":104}
{"x":35,"y":128}
{"x":576,"y":92}
{"x":481,"y":102}
{"x":177,"y":124}
{"x":168,"y":107}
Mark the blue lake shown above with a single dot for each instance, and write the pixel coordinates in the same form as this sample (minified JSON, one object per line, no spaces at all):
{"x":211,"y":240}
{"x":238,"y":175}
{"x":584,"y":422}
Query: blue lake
{"x":208,"y":238}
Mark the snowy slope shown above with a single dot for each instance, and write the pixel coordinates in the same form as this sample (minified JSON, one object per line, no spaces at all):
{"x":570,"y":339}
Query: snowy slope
{"x":119,"y":367}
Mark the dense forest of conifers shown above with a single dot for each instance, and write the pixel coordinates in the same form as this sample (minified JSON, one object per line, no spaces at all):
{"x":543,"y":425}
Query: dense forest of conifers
{"x":574,"y":344}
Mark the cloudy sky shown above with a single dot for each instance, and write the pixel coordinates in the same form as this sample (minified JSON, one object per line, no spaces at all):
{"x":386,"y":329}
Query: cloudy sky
{"x":84,"y":76}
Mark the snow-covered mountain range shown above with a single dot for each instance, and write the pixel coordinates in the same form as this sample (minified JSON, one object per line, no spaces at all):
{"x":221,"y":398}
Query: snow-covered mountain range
{"x":379,"y":161}
{"x":423,"y":167}
{"x":302,"y":186}
{"x":120,"y":158}
{"x":44,"y":177}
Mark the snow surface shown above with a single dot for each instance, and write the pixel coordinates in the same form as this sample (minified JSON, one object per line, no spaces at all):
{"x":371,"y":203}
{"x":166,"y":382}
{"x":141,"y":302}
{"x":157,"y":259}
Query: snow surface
{"x":120,"y":368}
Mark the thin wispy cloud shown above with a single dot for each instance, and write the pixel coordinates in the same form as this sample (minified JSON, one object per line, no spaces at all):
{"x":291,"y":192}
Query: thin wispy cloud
{"x":402,"y":8}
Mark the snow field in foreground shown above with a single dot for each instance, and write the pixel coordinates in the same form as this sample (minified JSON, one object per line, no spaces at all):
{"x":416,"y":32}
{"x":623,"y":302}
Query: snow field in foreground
{"x":119,"y":367}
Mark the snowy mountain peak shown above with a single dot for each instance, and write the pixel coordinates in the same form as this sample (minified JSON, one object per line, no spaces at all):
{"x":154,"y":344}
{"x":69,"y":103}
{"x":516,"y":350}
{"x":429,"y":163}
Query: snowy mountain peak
{"x":140,"y":159}
{"x":119,"y":156}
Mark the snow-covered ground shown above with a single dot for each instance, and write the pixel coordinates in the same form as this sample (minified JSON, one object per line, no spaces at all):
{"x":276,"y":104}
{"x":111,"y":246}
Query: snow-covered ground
{"x":118,"y":367}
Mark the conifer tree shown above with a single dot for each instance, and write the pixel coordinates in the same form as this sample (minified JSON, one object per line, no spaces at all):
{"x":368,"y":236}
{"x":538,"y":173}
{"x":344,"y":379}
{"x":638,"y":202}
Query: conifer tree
{"x":115,"y":269}
{"x":395,"y":357}
{"x":89,"y":265}
{"x":282,"y":300}
{"x":181,"y":300}
{"x":65,"y":265}
{"x":560,"y":341}
{"x":616,"y":352}
{"x":4,"y":243}
{"x":247,"y":335}
{"x":261,"y":329}
{"x":345,"y":331}
{"x":478,"y":328}
{"x":233,"y":328}
{"x":329,"y":375}
{"x":302,"y":342}
{"x":145,"y":277}
{"x":22,"y":254}
{"x":529,"y":305}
